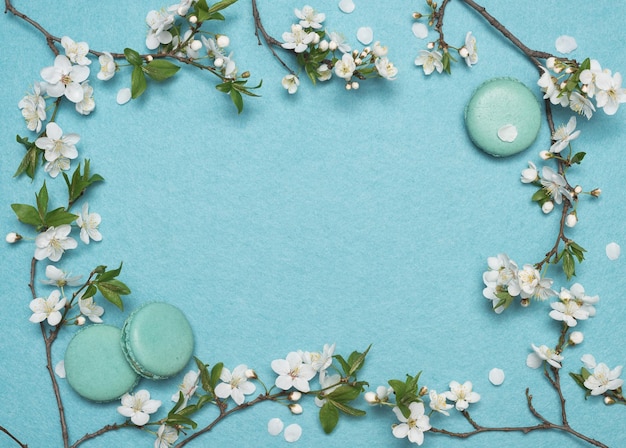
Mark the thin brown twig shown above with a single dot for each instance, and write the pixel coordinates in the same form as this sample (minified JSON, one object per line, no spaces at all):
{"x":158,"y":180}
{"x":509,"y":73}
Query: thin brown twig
{"x":103,"y":430}
{"x":269,"y":40}
{"x":12,"y":437}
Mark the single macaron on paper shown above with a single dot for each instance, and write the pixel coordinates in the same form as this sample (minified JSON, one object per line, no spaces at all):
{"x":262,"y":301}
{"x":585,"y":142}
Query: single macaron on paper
{"x":157,"y":340}
{"x":503,"y":117}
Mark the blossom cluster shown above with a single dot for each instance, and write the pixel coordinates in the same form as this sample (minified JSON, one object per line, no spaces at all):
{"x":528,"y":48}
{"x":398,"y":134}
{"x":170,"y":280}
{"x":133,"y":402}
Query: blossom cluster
{"x":323,"y":53}
{"x":434,"y":60}
{"x":568,"y":84}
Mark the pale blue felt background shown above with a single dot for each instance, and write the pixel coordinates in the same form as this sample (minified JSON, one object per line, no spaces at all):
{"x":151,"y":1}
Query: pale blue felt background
{"x":329,"y":216}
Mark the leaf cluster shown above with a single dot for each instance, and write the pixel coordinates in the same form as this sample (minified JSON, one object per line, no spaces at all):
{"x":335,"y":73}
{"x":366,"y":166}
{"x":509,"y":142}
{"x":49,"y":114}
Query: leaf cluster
{"x":156,"y":69}
{"x":39,"y":217}
{"x":580,"y":378}
{"x":108,"y":285}
{"x":406,"y":392}
{"x":570,"y":253}
{"x":28,"y":165}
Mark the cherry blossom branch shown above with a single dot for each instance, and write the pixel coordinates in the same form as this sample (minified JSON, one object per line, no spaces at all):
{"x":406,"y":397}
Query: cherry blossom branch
{"x":543,"y":426}
{"x":269,"y":40}
{"x":12,"y":437}
{"x":103,"y":430}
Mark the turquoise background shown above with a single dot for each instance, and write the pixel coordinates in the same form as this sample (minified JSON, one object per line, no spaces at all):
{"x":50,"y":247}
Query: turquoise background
{"x":329,"y":216}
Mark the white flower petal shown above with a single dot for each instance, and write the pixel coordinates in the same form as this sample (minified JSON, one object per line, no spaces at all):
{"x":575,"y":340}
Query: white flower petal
{"x":533,"y":361}
{"x":346,"y":6}
{"x":566,"y":44}
{"x":59,"y":369}
{"x":123,"y":96}
{"x":293,"y":432}
{"x":365,"y":35}
{"x":507,"y":133}
{"x":275,"y":426}
{"x":613,"y":251}
{"x":496,"y":376}
{"x":420,"y":30}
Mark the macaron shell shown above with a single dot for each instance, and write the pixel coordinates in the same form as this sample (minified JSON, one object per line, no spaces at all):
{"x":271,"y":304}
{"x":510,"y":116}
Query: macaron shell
{"x":157,"y":340}
{"x":502,"y":102}
{"x":95,"y":365}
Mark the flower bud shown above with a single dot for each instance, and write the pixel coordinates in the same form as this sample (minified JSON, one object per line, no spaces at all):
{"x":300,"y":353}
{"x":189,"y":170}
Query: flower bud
{"x":525,"y":302}
{"x":571,"y":220}
{"x":563,"y":85}
{"x":371,"y":397}
{"x":251,"y":374}
{"x":295,"y":409}
{"x":423,"y":391}
{"x":595,"y":192}
{"x":547,"y":207}
{"x":13,"y":237}
{"x":149,"y":58}
{"x":316,"y":39}
{"x":569,"y":70}
{"x":195,"y":45}
{"x":294,"y":395}
{"x":355,"y":85}
{"x":417,"y":15}
{"x":348,"y":86}
{"x":578,"y":189}
{"x":80,"y":321}
{"x":218,"y":62}
{"x":430,"y":45}
{"x":222,"y":41}
{"x":463,"y":52}
{"x":332,"y":45}
{"x":576,"y":337}
{"x":609,"y":401}
{"x":358,"y":61}
{"x":181,"y":11}
{"x":323,"y":45}
{"x":550,"y":62}
{"x":245,"y":74}
{"x":545,"y":155}
{"x":585,"y":88}
{"x":193,"y":20}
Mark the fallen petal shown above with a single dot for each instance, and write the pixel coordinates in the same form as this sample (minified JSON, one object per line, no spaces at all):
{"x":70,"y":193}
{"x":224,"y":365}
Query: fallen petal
{"x":365,"y":35}
{"x":275,"y":426}
{"x":420,"y":30}
{"x":507,"y":133}
{"x":346,"y":6}
{"x":613,"y":251}
{"x":293,"y":432}
{"x":566,"y":44}
{"x":123,"y":96}
{"x":496,"y":376}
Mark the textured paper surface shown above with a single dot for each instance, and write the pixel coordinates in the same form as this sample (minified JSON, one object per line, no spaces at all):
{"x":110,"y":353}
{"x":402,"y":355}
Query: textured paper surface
{"x":328,"y":216}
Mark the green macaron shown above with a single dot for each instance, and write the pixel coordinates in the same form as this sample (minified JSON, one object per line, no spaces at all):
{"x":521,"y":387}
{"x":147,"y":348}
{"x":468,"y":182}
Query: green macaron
{"x":157,"y":340}
{"x":95,"y":366}
{"x":503,"y":117}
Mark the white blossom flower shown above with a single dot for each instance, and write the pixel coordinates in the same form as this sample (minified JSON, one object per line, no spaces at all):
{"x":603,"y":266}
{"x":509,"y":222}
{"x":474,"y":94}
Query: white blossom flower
{"x":229,"y":68}
{"x":470,"y":46}
{"x":293,"y":372}
{"x":527,"y":282}
{"x":76,"y":51}
{"x":324,"y":73}
{"x":386,"y":69}
{"x":191,"y":48}
{"x":611,"y":98}
{"x":430,"y":61}
{"x":589,"y":361}
{"x":586,"y":302}
{"x":166,"y":437}
{"x":576,"y":337}
{"x":502,"y":273}
{"x":462,"y":395}
{"x":438,"y":402}
{"x":290,"y":83}
{"x":298,"y":40}
{"x":603,"y":379}
{"x":567,"y":311}
{"x":213,"y":50}
{"x":338,"y":42}
{"x":563,"y":136}
{"x":320,"y":361}
{"x":181,"y":8}
{"x":541,"y":354}
{"x":159,"y":22}
{"x":87,"y":105}
{"x":188,"y":387}
{"x":309,"y":17}
{"x":414,"y":426}
{"x":549,"y":85}
{"x":60,"y":278}
{"x":235,"y":384}
{"x":137,"y":407}
{"x":54,"y":242}
{"x":328,"y":384}
{"x":33,"y":108}
{"x":63,"y":78}
{"x":379,"y":50}
{"x":57,"y":145}
{"x":555,"y":184}
{"x":47,"y":309}
{"x":581,"y":105}
{"x":88,"y":223}
{"x":345,"y":67}
{"x":90,"y":309}
{"x":595,"y":79}
{"x":108,"y":67}
{"x":55,"y":167}
{"x":530,"y":174}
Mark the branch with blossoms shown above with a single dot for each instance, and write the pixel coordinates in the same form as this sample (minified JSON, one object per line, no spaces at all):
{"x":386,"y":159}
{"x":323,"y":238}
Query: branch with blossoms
{"x":172,"y":36}
{"x":321,"y":53}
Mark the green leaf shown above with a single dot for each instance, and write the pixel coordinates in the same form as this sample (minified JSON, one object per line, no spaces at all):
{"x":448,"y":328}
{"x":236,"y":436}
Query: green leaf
{"x":349,"y":410}
{"x":237,"y":100}
{"x":224,"y":87}
{"x":111,"y":296}
{"x":160,"y":69}
{"x":344,"y":394}
{"x":569,"y":266}
{"x":356,"y":360}
{"x":221,"y":5}
{"x":90,"y":292}
{"x":27,"y":214}
{"x":80,"y":181}
{"x":179,"y":403}
{"x":205,"y":377}
{"x":216,"y":371}
{"x":28,"y":164}
{"x":344,"y":364}
{"x":105,"y":275}
{"x":42,"y":200}
{"x":178,"y":419}
{"x":578,"y":157}
{"x":59,"y":216}
{"x":329,"y":417}
{"x":540,"y":196}
{"x":137,"y":82}
{"x":133,"y":57}
{"x":115,"y":286}
{"x":505,"y":299}
{"x":577,"y":251}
